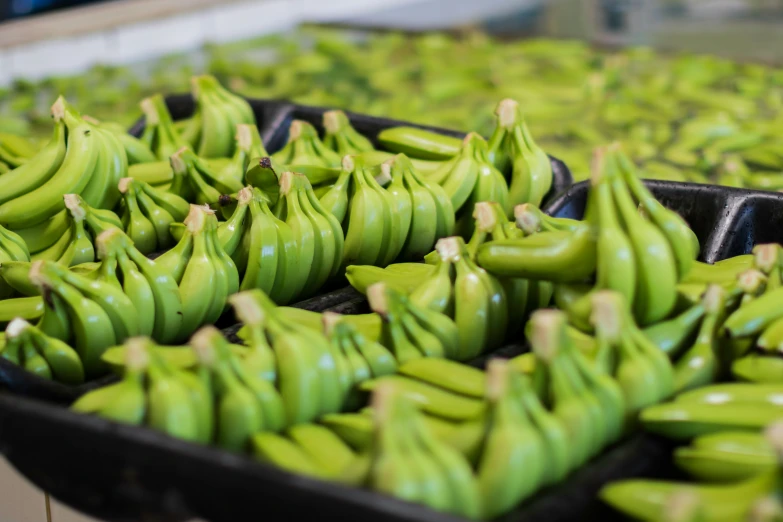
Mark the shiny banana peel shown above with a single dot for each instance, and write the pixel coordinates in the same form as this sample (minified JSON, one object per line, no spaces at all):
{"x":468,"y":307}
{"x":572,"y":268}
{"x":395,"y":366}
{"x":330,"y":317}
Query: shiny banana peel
{"x":655,"y":262}
{"x":304,"y":147}
{"x":419,"y":143}
{"x":557,"y":256}
{"x":450,"y":375}
{"x":47,"y":357}
{"x":159,"y":134}
{"x":674,"y":335}
{"x":409,"y":462}
{"x":341,"y":137}
{"x":219,"y":112}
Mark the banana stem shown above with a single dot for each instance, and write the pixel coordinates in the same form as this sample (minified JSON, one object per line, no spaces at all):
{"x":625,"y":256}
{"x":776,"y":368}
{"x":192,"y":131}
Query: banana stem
{"x":607,"y":315}
{"x":378,"y":299}
{"x":137,"y":354}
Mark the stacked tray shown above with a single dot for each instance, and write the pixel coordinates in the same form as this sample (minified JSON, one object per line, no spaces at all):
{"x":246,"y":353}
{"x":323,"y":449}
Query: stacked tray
{"x":121,"y":472}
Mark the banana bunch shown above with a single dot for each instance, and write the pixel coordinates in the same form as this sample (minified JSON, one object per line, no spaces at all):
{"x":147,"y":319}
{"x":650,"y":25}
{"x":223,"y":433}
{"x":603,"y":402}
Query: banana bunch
{"x":159,"y":134}
{"x":89,"y":314}
{"x":365,"y":358}
{"x":245,"y":398}
{"x":195,"y":180}
{"x":623,"y":351}
{"x":160,"y":174}
{"x":47,"y":357}
{"x":248,"y":146}
{"x":205,"y":273}
{"x":511,"y":143}
{"x":90,"y":162}
{"x":410,"y":331}
{"x":147,"y":214}
{"x":373,"y":232}
{"x":316,"y":233}
{"x":218,"y":112}
{"x":477,"y":299}
{"x":341,"y":137}
{"x":588,"y":401}
{"x":512,"y":461}
{"x":409,"y":462}
{"x":41,"y":166}
{"x":70,"y":235}
{"x":431,"y":211}
{"x":455,"y":286}
{"x":149,"y":285}
{"x":642,"y":256}
{"x":304,"y":147}
{"x":156,"y":394}
{"x":136,"y":150}
{"x":262,"y":247}
{"x":12,"y":249}
{"x":266,"y":250}
{"x":265,"y":174}
{"x":309,"y":371}
{"x":522,"y":296}
{"x":470,"y":177}
{"x":751,"y":498}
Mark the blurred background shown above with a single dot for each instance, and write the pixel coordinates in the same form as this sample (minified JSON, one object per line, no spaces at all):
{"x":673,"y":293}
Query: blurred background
{"x":585,"y":71}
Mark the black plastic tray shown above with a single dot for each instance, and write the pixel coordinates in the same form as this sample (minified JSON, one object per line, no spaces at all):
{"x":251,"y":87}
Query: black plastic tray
{"x":126,"y":473}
